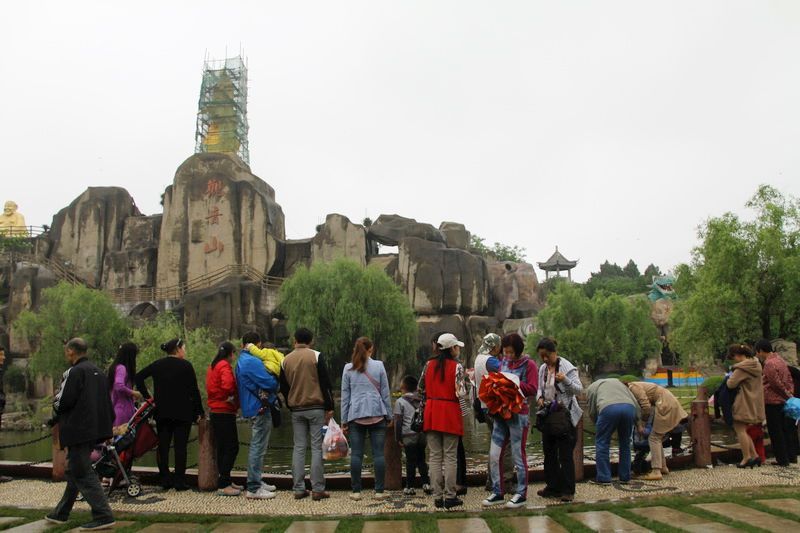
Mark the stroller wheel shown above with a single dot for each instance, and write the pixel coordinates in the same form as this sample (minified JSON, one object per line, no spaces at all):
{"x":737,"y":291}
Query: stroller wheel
{"x":134,"y":489}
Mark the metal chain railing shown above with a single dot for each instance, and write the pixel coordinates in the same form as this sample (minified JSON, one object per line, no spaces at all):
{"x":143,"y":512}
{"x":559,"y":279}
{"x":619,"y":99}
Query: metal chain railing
{"x":25,"y":443}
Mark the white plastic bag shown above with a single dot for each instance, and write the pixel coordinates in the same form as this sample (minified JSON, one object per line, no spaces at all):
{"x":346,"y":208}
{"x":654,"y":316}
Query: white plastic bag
{"x":334,"y":444}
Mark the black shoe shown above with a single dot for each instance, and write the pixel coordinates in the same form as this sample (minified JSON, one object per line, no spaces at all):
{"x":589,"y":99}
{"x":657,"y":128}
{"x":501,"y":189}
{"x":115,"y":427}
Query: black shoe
{"x":181,"y":487}
{"x":547,"y":493}
{"x":567,"y":498}
{"x":494,"y":499}
{"x":449,"y":503}
{"x":95,"y":525}
{"x":54,"y":519}
{"x":601,"y":483}
{"x":461,"y":491}
{"x":438,"y":503}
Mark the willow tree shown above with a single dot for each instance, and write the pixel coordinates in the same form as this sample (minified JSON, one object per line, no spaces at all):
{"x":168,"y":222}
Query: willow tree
{"x":341,"y":301}
{"x":68,"y":311}
{"x":743,"y":282}
{"x":606,"y":328}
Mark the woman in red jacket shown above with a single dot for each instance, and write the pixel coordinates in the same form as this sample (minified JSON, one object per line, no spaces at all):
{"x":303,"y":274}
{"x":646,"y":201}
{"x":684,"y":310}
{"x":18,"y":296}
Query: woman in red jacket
{"x":441,"y":385}
{"x":223,"y":402}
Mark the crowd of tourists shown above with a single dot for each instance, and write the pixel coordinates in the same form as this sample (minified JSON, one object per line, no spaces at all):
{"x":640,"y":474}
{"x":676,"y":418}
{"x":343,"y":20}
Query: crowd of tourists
{"x":427,"y":420}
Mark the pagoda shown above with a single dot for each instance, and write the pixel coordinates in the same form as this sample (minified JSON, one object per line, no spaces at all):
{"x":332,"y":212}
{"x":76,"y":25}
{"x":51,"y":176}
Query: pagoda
{"x":557,"y":263}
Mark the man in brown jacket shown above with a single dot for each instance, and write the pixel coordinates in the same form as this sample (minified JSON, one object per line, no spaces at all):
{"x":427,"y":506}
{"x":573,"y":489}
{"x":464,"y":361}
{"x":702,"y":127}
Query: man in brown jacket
{"x":307,"y":389}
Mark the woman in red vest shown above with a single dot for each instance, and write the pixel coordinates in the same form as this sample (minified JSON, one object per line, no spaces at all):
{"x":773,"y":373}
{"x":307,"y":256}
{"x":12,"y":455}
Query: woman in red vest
{"x":441,"y":385}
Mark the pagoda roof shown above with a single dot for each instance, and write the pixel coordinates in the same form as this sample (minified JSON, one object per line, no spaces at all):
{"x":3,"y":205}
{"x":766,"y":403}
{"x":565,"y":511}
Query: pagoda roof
{"x":557,"y":262}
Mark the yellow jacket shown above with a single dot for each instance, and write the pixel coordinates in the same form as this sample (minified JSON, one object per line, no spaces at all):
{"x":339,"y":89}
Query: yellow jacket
{"x":272,"y":358}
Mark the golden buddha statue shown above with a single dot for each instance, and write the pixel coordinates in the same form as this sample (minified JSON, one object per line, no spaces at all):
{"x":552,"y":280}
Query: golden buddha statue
{"x":12,"y":223}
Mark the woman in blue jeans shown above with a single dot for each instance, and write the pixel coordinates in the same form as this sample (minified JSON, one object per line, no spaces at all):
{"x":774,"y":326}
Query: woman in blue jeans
{"x":612,"y":407}
{"x":366,"y":410}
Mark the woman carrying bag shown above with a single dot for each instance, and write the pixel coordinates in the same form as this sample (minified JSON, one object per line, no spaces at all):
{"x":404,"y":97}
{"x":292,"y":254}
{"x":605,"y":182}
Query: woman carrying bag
{"x":557,"y":417}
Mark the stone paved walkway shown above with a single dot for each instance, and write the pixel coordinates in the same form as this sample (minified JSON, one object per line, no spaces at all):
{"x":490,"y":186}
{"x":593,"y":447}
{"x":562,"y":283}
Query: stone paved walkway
{"x":600,"y":521}
{"x":43,"y":494}
{"x":695,"y":518}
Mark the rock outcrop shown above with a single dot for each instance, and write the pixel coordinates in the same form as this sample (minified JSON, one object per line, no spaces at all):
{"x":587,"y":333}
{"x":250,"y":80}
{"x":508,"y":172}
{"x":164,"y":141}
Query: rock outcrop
{"x":27,"y":285}
{"x":136,"y":264}
{"x":89,"y":228}
{"x":455,"y":235}
{"x":339,"y":238}
{"x":217,"y":213}
{"x":389,"y":230}
{"x":515,"y":289}
{"x":231,"y":308}
{"x":441,"y":280}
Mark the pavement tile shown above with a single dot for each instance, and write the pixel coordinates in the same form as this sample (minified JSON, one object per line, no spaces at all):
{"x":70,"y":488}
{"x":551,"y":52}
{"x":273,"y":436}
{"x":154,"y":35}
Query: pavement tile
{"x":463,"y":525}
{"x":32,"y":527}
{"x":545,"y":524}
{"x":313,"y":526}
{"x":606,"y":522}
{"x":9,"y":519}
{"x":750,"y":516}
{"x":118,"y":525}
{"x":377,"y":526}
{"x":238,"y":527}
{"x":790,"y":505}
{"x":172,"y":528}
{"x":675,"y":518}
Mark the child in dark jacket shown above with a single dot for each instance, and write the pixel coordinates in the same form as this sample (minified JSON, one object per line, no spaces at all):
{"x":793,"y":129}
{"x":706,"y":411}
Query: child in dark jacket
{"x":412,"y":442}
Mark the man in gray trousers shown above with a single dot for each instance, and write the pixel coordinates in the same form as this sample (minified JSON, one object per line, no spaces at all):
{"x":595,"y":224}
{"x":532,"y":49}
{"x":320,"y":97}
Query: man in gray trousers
{"x":83,"y":409}
{"x":307,"y":389}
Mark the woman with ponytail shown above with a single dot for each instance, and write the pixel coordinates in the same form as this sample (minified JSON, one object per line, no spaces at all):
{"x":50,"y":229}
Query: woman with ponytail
{"x":178,"y":404}
{"x":120,"y":382}
{"x":223,"y":402}
{"x":365,"y":409}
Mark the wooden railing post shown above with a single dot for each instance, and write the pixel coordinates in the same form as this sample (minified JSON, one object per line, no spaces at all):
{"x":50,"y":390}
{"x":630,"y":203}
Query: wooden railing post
{"x":701,"y":429}
{"x":59,"y":457}
{"x":577,"y":452}
{"x":392,"y":454}
{"x":207,"y":473}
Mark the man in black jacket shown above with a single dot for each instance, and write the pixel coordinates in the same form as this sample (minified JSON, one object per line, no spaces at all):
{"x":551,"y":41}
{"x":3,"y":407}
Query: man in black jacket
{"x":83,"y":409}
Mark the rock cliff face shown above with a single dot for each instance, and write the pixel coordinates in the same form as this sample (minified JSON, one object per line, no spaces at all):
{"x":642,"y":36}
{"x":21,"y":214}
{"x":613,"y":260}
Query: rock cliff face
{"x":217,"y":213}
{"x":441,"y":280}
{"x":89,"y":228}
{"x":339,"y":238}
{"x":135,"y":265}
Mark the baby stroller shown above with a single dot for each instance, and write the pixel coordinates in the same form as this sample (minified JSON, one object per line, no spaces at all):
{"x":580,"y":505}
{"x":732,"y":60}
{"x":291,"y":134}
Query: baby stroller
{"x":117,"y":457}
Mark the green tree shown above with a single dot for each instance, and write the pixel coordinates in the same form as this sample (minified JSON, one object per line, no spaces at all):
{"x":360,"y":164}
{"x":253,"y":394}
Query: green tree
{"x":631,"y":270}
{"x":606,"y":328}
{"x":341,"y":301}
{"x":497,"y":252}
{"x":743,"y":282}
{"x":201,"y":344}
{"x":69,"y":311}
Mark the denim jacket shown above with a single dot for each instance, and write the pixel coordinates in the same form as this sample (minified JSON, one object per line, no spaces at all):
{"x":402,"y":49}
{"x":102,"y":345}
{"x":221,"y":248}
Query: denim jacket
{"x":360,"y":397}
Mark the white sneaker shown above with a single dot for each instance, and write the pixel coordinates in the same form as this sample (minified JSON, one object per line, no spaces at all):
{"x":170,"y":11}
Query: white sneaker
{"x":260,"y":494}
{"x":427,"y":489}
{"x":355,"y":496}
{"x":409,"y":492}
{"x":381,"y":495}
{"x":516,"y":501}
{"x":268,"y":487}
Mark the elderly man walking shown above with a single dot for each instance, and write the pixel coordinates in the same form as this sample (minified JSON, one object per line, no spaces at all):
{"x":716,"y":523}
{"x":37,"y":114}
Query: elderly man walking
{"x":84,"y":413}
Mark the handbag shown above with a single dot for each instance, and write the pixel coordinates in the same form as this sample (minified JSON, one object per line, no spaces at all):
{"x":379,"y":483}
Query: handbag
{"x":275,"y":413}
{"x":480,"y":414}
{"x":557,"y":423}
{"x":418,"y":420}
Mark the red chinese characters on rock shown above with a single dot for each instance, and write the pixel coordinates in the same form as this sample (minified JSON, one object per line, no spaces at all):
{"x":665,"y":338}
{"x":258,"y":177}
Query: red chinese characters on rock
{"x":215,"y":245}
{"x":215,"y":190}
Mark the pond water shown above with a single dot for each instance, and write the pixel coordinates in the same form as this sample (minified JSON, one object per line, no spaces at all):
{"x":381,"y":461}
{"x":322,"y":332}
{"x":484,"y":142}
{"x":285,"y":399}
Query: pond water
{"x":279,"y":456}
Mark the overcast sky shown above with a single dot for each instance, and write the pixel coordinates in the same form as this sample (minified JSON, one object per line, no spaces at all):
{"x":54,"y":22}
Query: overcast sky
{"x":608,"y":128}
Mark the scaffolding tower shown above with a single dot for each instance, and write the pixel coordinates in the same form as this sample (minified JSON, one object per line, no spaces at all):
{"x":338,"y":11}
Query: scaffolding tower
{"x":222,"y":109}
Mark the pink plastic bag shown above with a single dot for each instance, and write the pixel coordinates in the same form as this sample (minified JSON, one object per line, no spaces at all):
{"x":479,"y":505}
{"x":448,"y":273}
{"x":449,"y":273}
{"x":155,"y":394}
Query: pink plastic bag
{"x":334,"y":444}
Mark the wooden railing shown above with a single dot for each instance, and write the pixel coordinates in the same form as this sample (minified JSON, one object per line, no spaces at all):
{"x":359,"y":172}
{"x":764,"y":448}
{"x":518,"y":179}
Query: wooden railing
{"x":176,"y":292}
{"x":66,"y":273}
